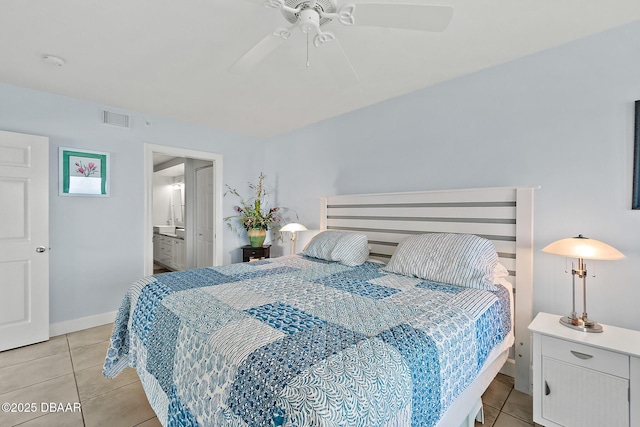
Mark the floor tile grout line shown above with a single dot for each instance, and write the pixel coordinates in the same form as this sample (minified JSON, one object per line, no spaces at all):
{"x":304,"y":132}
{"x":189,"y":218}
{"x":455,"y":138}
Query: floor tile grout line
{"x":500,"y":412}
{"x":112,"y":390}
{"x":90,"y":366}
{"x":142,"y":422}
{"x":73,"y":370}
{"x":510,"y":414}
{"x":102,"y":393}
{"x":505,"y":400}
{"x":31,"y":385}
{"x":49,"y":379}
{"x":75,"y":380}
{"x":28,"y":421}
{"x":31,"y":360}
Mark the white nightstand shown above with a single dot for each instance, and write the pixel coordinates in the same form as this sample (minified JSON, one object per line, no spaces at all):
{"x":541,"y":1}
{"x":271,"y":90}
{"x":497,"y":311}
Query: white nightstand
{"x":584,"y":379}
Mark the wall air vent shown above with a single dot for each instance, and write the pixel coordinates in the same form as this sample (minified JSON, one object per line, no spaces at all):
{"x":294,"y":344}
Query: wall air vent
{"x":115,"y":119}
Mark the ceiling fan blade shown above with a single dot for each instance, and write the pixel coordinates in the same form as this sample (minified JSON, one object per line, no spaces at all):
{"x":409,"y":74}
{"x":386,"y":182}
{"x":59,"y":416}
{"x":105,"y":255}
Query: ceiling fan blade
{"x":260,"y":51}
{"x":351,"y":70}
{"x":420,"y":17}
{"x":333,"y":60}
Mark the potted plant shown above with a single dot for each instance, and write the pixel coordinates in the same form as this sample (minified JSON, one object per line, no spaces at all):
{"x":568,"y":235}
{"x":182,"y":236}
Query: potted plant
{"x":253,"y":215}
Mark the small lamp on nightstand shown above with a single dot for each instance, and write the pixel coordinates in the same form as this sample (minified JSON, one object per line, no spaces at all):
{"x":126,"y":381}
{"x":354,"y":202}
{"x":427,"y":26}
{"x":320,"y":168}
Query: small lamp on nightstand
{"x":582,"y":248}
{"x":293,"y":228}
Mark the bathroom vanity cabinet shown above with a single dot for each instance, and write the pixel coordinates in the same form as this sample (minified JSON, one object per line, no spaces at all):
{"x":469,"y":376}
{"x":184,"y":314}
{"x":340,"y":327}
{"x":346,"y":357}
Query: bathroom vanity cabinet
{"x":169,"y":251}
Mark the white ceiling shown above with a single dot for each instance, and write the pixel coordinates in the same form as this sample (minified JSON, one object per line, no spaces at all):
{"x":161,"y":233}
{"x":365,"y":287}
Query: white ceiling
{"x":172,"y":57}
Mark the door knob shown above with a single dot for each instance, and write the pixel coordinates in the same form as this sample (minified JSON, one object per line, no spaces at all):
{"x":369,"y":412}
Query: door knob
{"x":40,"y":249}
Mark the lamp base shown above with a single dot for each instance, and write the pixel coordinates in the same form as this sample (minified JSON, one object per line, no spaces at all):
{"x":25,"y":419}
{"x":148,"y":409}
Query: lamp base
{"x":579,"y":324}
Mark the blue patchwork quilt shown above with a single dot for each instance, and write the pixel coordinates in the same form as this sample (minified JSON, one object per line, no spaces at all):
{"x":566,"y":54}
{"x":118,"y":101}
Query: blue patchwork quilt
{"x":297,"y":341}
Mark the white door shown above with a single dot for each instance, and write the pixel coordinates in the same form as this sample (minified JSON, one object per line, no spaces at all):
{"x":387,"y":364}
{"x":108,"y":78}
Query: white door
{"x":204,"y":217}
{"x":24,"y":239}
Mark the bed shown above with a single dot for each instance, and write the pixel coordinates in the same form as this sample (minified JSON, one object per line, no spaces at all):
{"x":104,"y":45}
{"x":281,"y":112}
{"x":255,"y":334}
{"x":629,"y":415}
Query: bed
{"x":334,"y":336}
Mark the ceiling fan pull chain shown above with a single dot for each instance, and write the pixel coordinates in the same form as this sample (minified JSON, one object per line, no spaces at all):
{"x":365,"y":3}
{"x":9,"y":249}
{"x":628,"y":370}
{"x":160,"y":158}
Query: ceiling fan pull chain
{"x":308,"y":64}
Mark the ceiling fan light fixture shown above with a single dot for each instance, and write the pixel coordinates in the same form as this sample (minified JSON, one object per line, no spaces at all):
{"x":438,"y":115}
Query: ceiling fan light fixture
{"x":292,"y":9}
{"x":309,"y":21}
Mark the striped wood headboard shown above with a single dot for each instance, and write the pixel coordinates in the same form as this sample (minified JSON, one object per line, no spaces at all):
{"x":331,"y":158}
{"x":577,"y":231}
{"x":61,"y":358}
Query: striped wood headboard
{"x":502,"y":215}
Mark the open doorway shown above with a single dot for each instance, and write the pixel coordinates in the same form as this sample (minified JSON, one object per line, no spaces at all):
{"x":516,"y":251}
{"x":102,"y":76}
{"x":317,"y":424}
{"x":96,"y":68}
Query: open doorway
{"x":169,"y":211}
{"x":202,"y":245}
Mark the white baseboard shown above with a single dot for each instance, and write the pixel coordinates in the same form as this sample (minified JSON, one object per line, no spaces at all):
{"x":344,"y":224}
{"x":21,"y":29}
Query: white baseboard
{"x":509,"y":368}
{"x":81,"y":323}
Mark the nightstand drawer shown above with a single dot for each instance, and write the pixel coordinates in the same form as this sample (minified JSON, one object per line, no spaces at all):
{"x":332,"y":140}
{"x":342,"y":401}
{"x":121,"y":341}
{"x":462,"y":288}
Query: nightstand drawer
{"x":249,"y":253}
{"x":586,"y":356}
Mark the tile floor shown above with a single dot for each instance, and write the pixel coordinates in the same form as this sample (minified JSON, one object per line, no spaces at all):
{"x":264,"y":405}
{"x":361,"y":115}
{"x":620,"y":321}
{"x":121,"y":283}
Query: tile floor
{"x":67,"y":370}
{"x":157,"y":269}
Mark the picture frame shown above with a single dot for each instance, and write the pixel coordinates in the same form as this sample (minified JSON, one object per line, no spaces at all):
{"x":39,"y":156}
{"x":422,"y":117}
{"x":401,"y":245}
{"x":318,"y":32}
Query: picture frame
{"x":83,"y":173}
{"x":635,"y":201}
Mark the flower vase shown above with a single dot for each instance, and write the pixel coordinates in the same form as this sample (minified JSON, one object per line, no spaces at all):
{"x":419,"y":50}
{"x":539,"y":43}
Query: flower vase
{"x":256,"y":237}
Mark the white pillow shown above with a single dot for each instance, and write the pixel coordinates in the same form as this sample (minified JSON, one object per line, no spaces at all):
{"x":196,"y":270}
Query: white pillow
{"x":458,"y":259}
{"x":499,"y":272}
{"x":345,"y":247}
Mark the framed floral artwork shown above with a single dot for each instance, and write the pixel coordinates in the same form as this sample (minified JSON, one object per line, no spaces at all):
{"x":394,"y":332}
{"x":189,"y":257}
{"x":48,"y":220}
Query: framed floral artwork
{"x":83,"y":173}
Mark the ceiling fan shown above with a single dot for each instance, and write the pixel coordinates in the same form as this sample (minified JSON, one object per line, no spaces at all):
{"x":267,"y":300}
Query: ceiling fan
{"x":310,"y":16}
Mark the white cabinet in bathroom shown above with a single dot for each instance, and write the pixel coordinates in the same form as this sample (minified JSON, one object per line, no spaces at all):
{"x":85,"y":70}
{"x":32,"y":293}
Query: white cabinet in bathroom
{"x":169,"y":251}
{"x":179,"y":258}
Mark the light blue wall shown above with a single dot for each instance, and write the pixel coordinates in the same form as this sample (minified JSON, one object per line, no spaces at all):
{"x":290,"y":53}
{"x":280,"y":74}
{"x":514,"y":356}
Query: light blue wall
{"x":562,"y":119}
{"x":97,"y":244}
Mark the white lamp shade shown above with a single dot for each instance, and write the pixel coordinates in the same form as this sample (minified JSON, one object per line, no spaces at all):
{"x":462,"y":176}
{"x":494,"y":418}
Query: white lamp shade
{"x":294,"y":226}
{"x":583,"y":247}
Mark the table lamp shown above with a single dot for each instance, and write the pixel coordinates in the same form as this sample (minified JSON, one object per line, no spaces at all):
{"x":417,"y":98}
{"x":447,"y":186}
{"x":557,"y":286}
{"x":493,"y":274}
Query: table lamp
{"x":582,"y":248}
{"x":293,"y":228}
